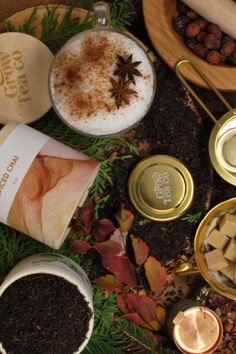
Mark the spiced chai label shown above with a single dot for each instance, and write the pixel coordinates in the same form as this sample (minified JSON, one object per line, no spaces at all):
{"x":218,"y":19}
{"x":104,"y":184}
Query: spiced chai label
{"x":24,"y":68}
{"x":42,"y":182}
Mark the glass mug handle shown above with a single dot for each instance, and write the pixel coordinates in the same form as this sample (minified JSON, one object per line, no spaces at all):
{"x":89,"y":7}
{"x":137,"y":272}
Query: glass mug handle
{"x":101,"y":16}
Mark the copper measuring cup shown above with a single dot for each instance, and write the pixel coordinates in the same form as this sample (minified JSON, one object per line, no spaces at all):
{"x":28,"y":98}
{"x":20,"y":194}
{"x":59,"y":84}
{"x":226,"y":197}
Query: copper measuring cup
{"x":222,"y":142}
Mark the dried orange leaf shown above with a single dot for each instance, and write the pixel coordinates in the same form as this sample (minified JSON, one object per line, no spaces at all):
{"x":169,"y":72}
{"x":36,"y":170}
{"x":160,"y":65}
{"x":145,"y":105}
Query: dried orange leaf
{"x":108,"y":248}
{"x":108,"y":282}
{"x":141,"y":250}
{"x":155,"y":273}
{"x":125,"y":219}
{"x":79,"y":246}
{"x":152,"y":325}
{"x":161,"y":315}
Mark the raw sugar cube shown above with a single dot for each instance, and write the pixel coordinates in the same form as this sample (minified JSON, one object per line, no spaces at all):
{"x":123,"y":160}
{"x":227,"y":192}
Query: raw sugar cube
{"x":229,"y":271}
{"x":228,"y":225}
{"x":217,"y":239}
{"x":230,"y":251}
{"x":216,"y":260}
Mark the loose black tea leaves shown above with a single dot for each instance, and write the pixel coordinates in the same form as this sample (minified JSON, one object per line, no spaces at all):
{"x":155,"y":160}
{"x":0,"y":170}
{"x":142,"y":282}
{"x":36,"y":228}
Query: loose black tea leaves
{"x":43,"y":314}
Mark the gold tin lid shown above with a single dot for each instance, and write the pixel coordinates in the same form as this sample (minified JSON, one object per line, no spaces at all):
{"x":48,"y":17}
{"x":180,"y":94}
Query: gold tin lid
{"x":161,"y":188}
{"x":24,"y":69}
{"x":197,"y":330}
{"x":222,"y":147}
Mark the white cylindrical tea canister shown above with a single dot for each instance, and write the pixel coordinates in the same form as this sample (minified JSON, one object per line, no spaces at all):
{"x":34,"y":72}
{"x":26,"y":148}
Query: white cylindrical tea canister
{"x":60,"y":266}
{"x":42,"y":182}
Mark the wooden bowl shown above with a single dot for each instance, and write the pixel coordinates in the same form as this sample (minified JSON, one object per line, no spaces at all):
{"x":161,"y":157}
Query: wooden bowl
{"x":158,"y":16}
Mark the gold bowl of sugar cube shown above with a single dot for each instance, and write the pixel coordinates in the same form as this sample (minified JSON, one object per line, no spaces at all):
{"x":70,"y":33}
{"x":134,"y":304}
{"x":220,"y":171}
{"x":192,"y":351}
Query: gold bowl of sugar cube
{"x":215,"y":248}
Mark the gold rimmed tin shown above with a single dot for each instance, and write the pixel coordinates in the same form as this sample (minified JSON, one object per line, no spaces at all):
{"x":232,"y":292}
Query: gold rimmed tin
{"x":197,"y":330}
{"x":222,"y":143}
{"x":161,"y":188}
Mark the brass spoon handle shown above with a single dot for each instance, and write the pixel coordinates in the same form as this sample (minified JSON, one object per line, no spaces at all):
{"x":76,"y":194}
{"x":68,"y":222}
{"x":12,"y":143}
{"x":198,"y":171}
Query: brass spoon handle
{"x":187,"y":269}
{"x":206,"y":80}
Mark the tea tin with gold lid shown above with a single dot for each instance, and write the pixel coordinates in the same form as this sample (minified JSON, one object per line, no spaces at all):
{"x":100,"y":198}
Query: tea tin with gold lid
{"x":161,"y":188}
{"x":197,"y":330}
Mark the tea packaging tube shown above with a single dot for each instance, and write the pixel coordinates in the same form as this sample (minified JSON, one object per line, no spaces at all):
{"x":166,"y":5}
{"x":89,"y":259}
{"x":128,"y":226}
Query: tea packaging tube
{"x":42,"y":182}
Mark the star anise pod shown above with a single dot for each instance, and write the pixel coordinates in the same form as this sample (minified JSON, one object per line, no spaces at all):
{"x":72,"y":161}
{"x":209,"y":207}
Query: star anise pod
{"x":125,"y":67}
{"x":120,"y":91}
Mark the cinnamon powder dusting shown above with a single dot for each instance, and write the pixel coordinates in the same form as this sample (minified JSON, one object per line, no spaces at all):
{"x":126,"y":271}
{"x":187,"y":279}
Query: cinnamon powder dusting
{"x":83,"y":77}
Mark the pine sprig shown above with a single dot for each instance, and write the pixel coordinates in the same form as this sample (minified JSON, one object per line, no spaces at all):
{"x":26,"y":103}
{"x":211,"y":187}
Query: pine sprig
{"x":28,"y":27}
{"x":122,"y":14}
{"x":192,"y":218}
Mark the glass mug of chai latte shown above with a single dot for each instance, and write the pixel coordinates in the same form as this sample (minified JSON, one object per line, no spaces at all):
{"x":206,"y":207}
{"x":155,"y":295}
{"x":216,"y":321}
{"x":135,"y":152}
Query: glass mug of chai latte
{"x":101,"y":81}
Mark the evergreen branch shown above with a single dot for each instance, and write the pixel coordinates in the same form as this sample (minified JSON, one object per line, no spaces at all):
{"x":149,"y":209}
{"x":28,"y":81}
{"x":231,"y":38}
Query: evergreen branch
{"x":28,"y":26}
{"x":122,"y":14}
{"x":100,"y":204}
{"x":103,"y":179}
{"x":192,"y":218}
{"x":7,"y":26}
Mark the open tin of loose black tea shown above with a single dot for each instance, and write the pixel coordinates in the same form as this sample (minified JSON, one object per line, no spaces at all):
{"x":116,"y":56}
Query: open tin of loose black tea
{"x":222,"y":142}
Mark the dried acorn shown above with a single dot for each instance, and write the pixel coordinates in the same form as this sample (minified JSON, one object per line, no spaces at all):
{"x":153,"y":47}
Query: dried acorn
{"x":192,"y":30}
{"x":213,"y":57}
{"x":211,"y":41}
{"x":180,"y":23}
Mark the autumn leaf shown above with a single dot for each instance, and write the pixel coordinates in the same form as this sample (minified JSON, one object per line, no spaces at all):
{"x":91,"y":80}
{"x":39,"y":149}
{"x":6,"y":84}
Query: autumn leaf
{"x":155,"y":273}
{"x":87,"y":219}
{"x":143,"y":305}
{"x":108,"y":282}
{"x":79,"y":246}
{"x":161,"y":315}
{"x":120,"y":237}
{"x":122,"y":268}
{"x":134,"y":317}
{"x":103,"y":228}
{"x":141,"y":250}
{"x":108,"y":248}
{"x":125,"y":219}
{"x":124,"y":304}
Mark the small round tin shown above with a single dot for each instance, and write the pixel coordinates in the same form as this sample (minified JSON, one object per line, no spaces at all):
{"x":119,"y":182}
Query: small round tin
{"x":161,"y":188}
{"x":197,"y":330}
{"x":222,"y":147}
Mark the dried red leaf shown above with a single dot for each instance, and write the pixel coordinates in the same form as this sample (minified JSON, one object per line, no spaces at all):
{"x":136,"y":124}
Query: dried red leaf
{"x":108,"y":248}
{"x":134,"y":317}
{"x":144,"y":306}
{"x":155,"y":273}
{"x":123,"y":303}
{"x":103,"y":228}
{"x":108,"y":282}
{"x":141,"y":250}
{"x":87,"y":219}
{"x":120,"y":237}
{"x":79,"y":246}
{"x":122,"y":268}
{"x":125,"y":219}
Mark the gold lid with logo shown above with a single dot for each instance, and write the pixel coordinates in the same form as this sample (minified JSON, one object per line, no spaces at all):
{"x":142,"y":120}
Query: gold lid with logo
{"x":161,"y":188}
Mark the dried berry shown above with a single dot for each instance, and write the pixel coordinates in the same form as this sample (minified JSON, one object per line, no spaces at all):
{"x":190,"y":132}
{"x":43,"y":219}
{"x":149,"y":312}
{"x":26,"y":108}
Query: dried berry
{"x":211,"y":41}
{"x":227,"y":39}
{"x":202,"y":23}
{"x":190,"y":42}
{"x":227,"y":48}
{"x":182,"y":8}
{"x":192,"y":30}
{"x":233,"y":57}
{"x":200,"y":50}
{"x":192,"y":15}
{"x":215,"y":29}
{"x":180,"y":23}
{"x":201,"y":36}
{"x":213,"y":57}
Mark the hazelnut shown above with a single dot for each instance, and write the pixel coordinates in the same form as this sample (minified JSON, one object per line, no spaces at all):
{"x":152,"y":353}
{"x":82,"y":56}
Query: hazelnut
{"x":180,"y":23}
{"x":202,"y":23}
{"x":192,"y":15}
{"x":200,"y":50}
{"x":213,"y":57}
{"x":192,"y":30}
{"x":201,"y":36}
{"x":211,"y":41}
{"x":215,"y":29}
{"x":227,"y":48}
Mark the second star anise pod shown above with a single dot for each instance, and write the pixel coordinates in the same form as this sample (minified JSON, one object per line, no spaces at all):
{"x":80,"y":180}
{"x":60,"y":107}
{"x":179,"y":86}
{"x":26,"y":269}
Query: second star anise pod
{"x":125,"y":68}
{"x":120,"y":91}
